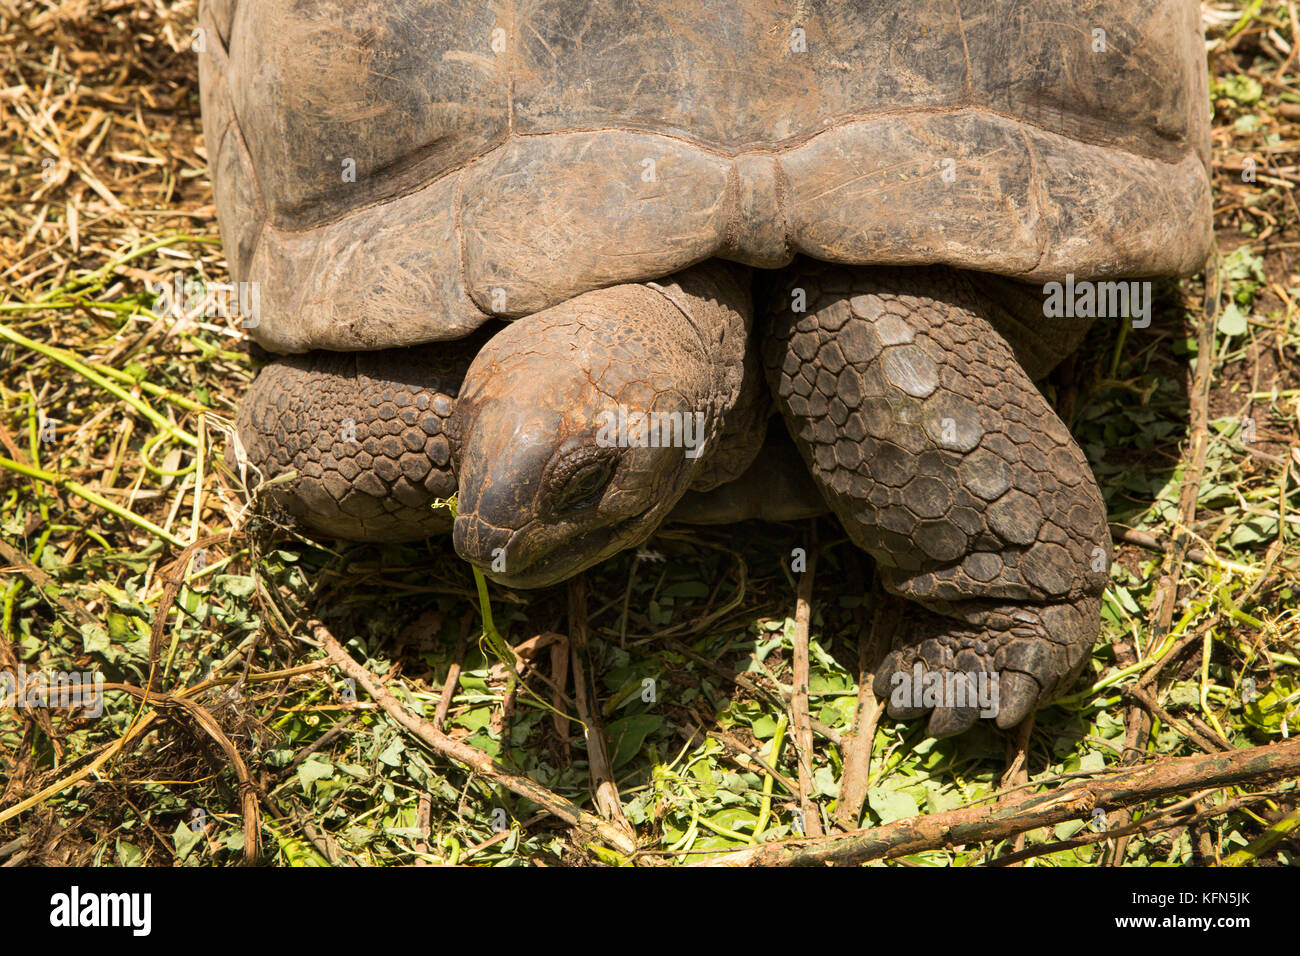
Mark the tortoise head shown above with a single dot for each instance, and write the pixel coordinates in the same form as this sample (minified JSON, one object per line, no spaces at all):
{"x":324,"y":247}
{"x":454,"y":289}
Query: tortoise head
{"x":577,"y":430}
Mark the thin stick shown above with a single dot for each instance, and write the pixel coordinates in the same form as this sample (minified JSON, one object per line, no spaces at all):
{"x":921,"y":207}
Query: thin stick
{"x":1017,"y":772}
{"x":1164,"y":819}
{"x":1162,"y":611}
{"x":588,"y":825}
{"x":802,"y":736}
{"x":1152,"y":707}
{"x":560,"y":655}
{"x":1122,"y":788}
{"x":1196,"y":555}
{"x":1137,"y":727}
{"x":453,"y":672}
{"x":779,"y":699}
{"x":857,"y":745}
{"x":598,"y":764}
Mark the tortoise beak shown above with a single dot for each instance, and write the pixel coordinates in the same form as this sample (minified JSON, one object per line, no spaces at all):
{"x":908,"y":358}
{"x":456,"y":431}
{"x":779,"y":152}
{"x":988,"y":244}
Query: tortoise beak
{"x":503,"y":554}
{"x":536,"y":555}
{"x":480,"y":543}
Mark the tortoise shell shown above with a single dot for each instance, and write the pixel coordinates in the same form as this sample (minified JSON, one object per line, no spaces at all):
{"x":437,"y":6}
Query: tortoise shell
{"x":395,"y":172}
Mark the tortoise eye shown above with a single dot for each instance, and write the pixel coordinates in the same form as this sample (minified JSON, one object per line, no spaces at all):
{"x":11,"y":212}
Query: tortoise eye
{"x":584,"y":486}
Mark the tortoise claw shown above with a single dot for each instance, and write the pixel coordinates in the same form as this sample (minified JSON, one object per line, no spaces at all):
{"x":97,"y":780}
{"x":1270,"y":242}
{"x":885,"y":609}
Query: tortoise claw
{"x":951,"y":721}
{"x":1018,"y":695}
{"x":1003,"y":669}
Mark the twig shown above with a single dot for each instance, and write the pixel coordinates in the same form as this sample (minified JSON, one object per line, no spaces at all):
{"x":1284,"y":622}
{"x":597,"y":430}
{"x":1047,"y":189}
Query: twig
{"x":320,"y":743}
{"x":423,"y":823}
{"x":1137,"y":728}
{"x":857,"y":745}
{"x":1151,"y":543}
{"x":453,"y":672}
{"x":1152,"y":707}
{"x":602,"y":776}
{"x":1162,"y":608}
{"x":802,"y":736}
{"x":734,"y":748}
{"x":1017,"y":772}
{"x":588,"y":825}
{"x":1122,"y":788}
{"x":560,"y":654}
{"x":1144,"y":827}
{"x":1187,"y":640}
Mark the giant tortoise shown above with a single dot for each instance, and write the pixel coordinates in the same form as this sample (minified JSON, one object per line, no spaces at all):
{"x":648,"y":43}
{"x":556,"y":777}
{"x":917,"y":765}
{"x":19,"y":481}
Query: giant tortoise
{"x":565,"y":258}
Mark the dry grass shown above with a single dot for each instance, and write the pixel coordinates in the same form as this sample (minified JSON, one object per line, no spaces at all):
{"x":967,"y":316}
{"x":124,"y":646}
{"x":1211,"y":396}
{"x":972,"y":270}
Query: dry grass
{"x":113,"y":422}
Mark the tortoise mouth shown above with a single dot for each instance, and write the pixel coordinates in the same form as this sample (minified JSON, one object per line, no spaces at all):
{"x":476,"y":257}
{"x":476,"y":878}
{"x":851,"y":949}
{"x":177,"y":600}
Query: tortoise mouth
{"x":534,"y":555}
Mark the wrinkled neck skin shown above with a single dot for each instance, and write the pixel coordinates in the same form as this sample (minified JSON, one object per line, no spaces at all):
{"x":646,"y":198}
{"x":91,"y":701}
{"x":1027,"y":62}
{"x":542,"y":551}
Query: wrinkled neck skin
{"x":578,"y":429}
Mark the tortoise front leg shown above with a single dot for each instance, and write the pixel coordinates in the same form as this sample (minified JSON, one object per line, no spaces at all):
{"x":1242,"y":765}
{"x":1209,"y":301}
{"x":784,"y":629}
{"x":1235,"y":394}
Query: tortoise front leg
{"x":364,"y":435}
{"x":945,"y":463}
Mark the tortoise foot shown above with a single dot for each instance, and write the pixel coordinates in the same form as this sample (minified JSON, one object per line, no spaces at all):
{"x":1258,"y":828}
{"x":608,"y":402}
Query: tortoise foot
{"x":943,"y":461}
{"x":998,"y":667}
